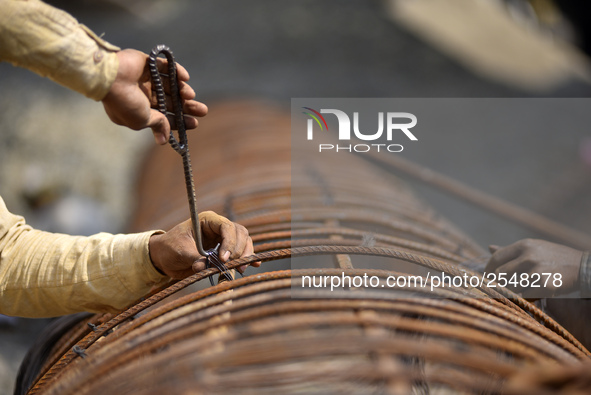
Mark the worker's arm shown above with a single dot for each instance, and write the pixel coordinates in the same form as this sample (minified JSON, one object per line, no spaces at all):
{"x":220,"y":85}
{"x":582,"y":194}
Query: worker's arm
{"x":46,"y":274}
{"x":53,"y":44}
{"x":531,"y":256}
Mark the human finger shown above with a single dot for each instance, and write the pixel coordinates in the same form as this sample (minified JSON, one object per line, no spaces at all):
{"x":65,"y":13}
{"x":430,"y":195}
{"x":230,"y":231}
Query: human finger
{"x":195,"y":108}
{"x":160,"y":126}
{"x":508,"y":276}
{"x":516,"y":275}
{"x":241,"y":241}
{"x":227,"y":231}
{"x":182,"y":73}
{"x":199,"y":265}
{"x":493,"y":248}
{"x":186,"y":93}
{"x":248,"y":251}
{"x":216,"y":228}
{"x":191,"y":108}
{"x":234,"y":239}
{"x":162,"y":64}
{"x":185,"y":90}
{"x":154,"y":101}
{"x":502,"y":256}
{"x":191,"y":123}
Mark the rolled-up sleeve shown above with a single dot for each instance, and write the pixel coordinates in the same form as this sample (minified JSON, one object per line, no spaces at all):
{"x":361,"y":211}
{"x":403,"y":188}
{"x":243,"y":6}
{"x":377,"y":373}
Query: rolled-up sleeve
{"x":47,"y":274}
{"x":52,"y":43}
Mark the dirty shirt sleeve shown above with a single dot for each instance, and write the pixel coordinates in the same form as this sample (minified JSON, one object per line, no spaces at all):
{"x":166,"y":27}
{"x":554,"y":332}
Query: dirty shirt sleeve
{"x":47,"y":274}
{"x":53,"y":44}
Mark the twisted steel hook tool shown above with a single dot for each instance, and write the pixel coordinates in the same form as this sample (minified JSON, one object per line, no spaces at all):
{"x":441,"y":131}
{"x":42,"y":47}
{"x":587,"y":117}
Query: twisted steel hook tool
{"x":182,"y":147}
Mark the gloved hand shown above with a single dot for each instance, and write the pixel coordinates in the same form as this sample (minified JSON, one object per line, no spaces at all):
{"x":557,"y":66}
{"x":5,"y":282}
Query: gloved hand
{"x":132,"y":103}
{"x":537,"y":256}
{"x":174,"y":253}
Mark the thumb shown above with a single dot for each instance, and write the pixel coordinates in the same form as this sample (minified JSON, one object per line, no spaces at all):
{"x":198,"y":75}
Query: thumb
{"x":493,"y":248}
{"x":160,"y":126}
{"x":199,"y":264}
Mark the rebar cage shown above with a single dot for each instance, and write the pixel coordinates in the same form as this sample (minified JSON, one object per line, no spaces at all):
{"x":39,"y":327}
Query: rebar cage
{"x":265,"y":333}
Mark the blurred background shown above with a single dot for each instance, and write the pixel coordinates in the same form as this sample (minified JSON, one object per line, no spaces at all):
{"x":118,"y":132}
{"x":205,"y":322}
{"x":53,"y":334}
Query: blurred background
{"x":66,"y":168}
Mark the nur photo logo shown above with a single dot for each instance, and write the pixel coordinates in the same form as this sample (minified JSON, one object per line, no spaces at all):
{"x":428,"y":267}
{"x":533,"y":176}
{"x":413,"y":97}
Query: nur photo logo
{"x":395,"y":125}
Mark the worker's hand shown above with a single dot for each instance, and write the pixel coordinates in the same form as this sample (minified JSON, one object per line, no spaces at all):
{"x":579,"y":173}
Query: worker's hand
{"x":131,"y":101}
{"x":174,"y":253}
{"x":537,"y":256}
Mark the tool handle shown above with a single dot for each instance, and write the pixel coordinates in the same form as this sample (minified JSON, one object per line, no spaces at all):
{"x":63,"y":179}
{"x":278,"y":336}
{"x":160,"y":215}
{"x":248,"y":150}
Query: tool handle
{"x":181,"y":145}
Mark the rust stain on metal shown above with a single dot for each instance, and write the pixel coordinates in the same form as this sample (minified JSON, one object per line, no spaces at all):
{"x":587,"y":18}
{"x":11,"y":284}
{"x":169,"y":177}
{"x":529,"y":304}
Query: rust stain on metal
{"x":260,"y":338}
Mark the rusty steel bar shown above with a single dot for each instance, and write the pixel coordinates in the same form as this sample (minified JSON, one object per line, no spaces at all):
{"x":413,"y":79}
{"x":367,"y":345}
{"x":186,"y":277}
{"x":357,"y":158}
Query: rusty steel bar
{"x":267,"y":334}
{"x":181,"y":146}
{"x":507,"y":210}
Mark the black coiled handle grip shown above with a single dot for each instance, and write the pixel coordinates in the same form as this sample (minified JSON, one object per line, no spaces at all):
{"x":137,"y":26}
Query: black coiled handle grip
{"x":181,"y":144}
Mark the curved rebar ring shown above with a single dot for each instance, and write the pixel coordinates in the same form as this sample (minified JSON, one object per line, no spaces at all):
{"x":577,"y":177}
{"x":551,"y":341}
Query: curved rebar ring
{"x":549,"y":329}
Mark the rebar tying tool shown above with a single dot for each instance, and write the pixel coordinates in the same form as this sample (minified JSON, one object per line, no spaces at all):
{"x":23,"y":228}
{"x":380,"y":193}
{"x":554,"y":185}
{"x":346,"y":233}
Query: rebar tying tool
{"x":182,"y":147}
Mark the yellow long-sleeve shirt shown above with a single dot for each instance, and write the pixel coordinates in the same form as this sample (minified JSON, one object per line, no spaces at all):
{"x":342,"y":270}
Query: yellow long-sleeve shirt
{"x":53,"y":44}
{"x":44,"y":274}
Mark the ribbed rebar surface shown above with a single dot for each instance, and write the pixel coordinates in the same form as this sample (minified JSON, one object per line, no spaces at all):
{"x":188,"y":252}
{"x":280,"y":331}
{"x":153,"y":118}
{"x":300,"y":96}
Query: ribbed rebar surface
{"x":266,"y":334}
